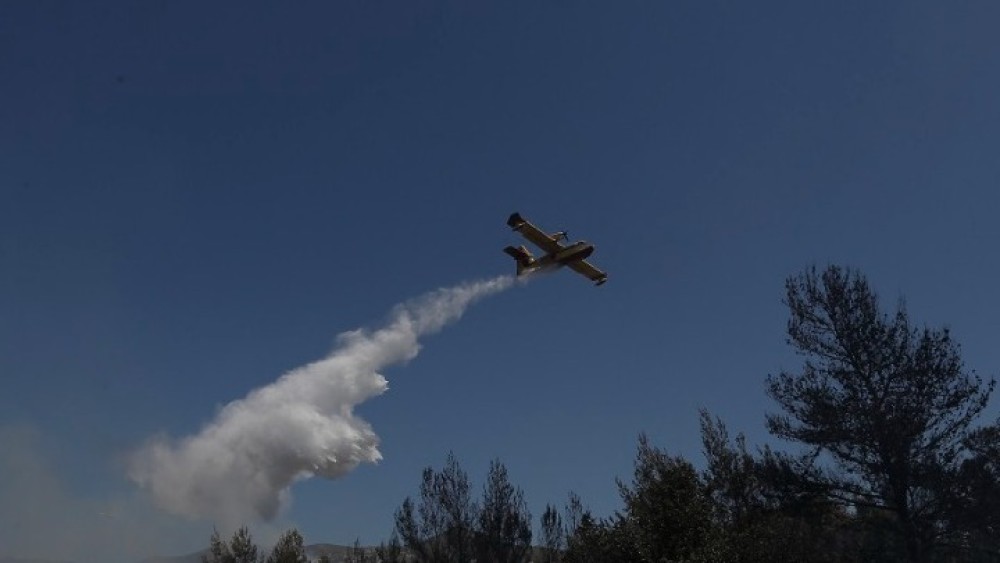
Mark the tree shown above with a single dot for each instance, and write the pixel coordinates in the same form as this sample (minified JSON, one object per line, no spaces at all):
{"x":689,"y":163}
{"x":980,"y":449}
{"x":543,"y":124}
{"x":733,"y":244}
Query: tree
{"x":358,"y":554}
{"x":391,"y":552}
{"x":218,"y":551}
{"x":667,"y":513}
{"x":289,"y":549}
{"x":889,"y":405}
{"x":733,"y":482}
{"x":553,"y":535}
{"x":574,"y":512}
{"x":759,"y":514}
{"x":242,"y":547}
{"x":503,"y":534}
{"x":974,"y":527}
{"x":440,"y":528}
{"x":600,"y":541}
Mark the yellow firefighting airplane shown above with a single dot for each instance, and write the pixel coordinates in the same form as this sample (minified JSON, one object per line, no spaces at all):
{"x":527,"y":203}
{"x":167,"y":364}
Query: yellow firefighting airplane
{"x":556,"y":255}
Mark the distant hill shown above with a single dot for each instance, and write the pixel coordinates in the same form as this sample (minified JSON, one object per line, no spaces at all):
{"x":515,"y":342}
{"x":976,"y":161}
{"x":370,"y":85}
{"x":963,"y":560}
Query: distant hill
{"x":336,"y":553}
{"x":189,"y":558}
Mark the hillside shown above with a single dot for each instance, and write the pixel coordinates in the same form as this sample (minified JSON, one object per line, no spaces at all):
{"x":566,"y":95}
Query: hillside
{"x":337,"y":553}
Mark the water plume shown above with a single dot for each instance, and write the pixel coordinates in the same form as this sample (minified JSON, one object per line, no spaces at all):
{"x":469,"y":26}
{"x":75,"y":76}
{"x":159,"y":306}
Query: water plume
{"x":241,"y":465}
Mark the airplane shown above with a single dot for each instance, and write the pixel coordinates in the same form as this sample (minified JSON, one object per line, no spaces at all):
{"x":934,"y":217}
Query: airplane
{"x":556,"y":255}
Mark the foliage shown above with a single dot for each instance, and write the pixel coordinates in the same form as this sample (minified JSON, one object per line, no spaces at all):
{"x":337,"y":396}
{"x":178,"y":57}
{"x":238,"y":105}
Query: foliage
{"x":667,"y":515}
{"x":575,"y":511}
{"x":599,"y":541}
{"x":503,"y":534}
{"x":358,"y":554}
{"x":440,"y":528}
{"x":973,"y":526}
{"x":553,"y":535}
{"x":240,"y":549}
{"x":889,"y":404}
{"x":391,"y":552}
{"x":760,"y":512}
{"x":218,"y":551}
{"x":289,"y":549}
{"x":446,"y":525}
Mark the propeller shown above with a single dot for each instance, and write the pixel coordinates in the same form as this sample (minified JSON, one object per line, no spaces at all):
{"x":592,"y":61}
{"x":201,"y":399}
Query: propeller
{"x":564,"y":235}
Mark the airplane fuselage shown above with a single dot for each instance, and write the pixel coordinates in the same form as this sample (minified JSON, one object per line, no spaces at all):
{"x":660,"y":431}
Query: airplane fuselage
{"x":576,"y":251}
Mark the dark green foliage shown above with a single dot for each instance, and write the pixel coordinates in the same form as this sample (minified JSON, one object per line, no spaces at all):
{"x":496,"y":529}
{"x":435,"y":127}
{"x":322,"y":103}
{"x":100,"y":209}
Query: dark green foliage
{"x":605,"y":541}
{"x":503,"y":534}
{"x":241,"y":548}
{"x":391,"y":552}
{"x":760,"y":513}
{"x":733,"y":481}
{"x":440,"y":528}
{"x":218,"y":551}
{"x":667,"y":514}
{"x":553,"y":535}
{"x":289,"y":549}
{"x":358,"y":554}
{"x":447,"y":526}
{"x":574,"y":514}
{"x":974,"y":524}
{"x":891,"y":405}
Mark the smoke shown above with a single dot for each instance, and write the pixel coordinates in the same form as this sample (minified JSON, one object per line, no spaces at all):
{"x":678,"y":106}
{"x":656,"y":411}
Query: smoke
{"x":241,"y":465}
{"x":43,"y":516}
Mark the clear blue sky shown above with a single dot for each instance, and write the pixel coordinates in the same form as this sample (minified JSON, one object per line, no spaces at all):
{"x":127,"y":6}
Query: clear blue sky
{"x":196,"y":198}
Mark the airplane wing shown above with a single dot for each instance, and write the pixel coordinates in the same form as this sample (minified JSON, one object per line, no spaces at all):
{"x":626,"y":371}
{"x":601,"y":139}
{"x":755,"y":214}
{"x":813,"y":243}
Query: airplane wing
{"x":547,"y":243}
{"x":587,"y":269}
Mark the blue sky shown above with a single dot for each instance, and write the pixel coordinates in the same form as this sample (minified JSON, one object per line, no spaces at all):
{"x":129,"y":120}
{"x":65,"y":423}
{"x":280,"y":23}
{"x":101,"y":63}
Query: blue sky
{"x":195,"y":199}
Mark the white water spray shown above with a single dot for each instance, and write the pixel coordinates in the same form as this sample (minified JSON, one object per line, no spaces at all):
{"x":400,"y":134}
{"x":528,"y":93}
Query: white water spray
{"x":241,"y":465}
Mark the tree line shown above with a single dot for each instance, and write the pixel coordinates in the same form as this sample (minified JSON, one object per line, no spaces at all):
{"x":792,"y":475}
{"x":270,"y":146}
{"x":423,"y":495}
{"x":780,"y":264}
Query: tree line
{"x":890,"y":463}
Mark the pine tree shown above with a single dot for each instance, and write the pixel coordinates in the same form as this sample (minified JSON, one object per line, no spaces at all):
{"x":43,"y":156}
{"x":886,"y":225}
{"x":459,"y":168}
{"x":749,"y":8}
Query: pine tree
{"x":242,"y":547}
{"x":504,"y":526}
{"x":667,"y":513}
{"x":892,"y":406}
{"x":391,"y":552}
{"x":440,"y":528}
{"x":289,"y":549}
{"x":553,"y":535}
{"x":218,"y":551}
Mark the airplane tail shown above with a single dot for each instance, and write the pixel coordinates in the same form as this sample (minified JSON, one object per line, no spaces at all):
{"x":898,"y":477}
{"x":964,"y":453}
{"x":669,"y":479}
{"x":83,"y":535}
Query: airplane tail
{"x":522,"y":256}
